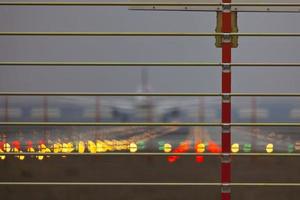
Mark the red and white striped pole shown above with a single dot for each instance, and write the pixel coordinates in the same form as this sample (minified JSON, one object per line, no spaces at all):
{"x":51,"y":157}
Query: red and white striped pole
{"x":226,"y":101}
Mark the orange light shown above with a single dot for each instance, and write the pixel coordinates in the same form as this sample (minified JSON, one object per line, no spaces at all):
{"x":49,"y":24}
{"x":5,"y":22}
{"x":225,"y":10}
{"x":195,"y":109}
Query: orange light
{"x":214,"y":147}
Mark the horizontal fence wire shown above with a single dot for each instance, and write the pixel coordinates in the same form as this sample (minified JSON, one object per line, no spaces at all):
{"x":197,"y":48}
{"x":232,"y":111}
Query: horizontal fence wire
{"x":212,"y":124}
{"x":152,"y":154}
{"x":105,"y":94}
{"x":159,"y":94}
{"x":144,"y":4}
{"x":104,"y":64}
{"x":153,"y":34}
{"x":143,"y":64}
{"x":144,"y":184}
{"x":107,"y":4}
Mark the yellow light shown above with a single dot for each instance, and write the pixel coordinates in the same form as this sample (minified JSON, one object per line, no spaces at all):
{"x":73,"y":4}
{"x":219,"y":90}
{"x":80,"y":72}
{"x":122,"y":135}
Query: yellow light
{"x":270,"y":148}
{"x":109,"y":145}
{"x":81,"y":147}
{"x":235,"y":148}
{"x":42,"y":148}
{"x":92,"y":147}
{"x":2,"y":157}
{"x":40,"y":157}
{"x":7,"y":147}
{"x":30,"y":149}
{"x":133,"y":147}
{"x":21,"y":157}
{"x":70,"y":147}
{"x":64,"y":148}
{"x":57,"y":148}
{"x":167,"y":148}
{"x":200,"y":148}
{"x":101,"y":146}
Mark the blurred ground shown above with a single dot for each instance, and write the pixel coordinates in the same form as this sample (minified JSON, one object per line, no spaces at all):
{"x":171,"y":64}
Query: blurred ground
{"x":147,"y":169}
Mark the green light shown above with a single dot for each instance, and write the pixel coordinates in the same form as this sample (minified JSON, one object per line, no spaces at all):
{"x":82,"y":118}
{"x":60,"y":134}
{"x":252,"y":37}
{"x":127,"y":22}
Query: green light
{"x":141,"y":145}
{"x":160,"y":148}
{"x":161,"y":145}
{"x":247,"y":148}
{"x":291,"y":148}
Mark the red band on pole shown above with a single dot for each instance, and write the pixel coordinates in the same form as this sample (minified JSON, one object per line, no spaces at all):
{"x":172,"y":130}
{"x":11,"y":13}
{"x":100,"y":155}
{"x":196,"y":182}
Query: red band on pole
{"x":226,"y":52}
{"x":226,"y":112}
{"x":225,"y":196}
{"x":226,"y":82}
{"x":226,"y":178}
{"x":226,"y":139}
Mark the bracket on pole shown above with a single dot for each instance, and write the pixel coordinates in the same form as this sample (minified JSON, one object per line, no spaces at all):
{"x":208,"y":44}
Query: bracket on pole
{"x":234,"y":27}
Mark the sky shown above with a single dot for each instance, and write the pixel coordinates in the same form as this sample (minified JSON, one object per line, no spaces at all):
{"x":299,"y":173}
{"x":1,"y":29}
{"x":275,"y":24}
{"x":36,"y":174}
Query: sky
{"x":127,"y":79}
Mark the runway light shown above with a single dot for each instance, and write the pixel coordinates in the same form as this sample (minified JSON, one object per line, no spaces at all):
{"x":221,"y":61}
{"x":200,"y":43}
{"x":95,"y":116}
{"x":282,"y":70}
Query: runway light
{"x":57,"y":148}
{"x":161,"y":145}
{"x":235,"y":148}
{"x":269,"y":148}
{"x":92,"y":147}
{"x":141,"y":145}
{"x":2,"y":157}
{"x":167,"y":148}
{"x":101,"y":146}
{"x":200,"y":148}
{"x":21,"y":157}
{"x":16,"y":145}
{"x":40,"y":157}
{"x":297,"y":146}
{"x":214,"y":147}
{"x":247,"y":148}
{"x":81,"y":147}
{"x":183,"y":147}
{"x":132,"y":147}
{"x":70,"y":147}
{"x":64,"y":148}
{"x":7,"y":147}
{"x":291,"y":148}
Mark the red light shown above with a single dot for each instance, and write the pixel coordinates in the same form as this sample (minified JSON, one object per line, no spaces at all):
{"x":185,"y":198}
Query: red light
{"x":199,"y":159}
{"x":172,"y":159}
{"x":213,"y":147}
{"x":41,"y":142}
{"x":29,"y":144}
{"x":2,"y":145}
{"x":16,"y":144}
{"x":183,"y":147}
